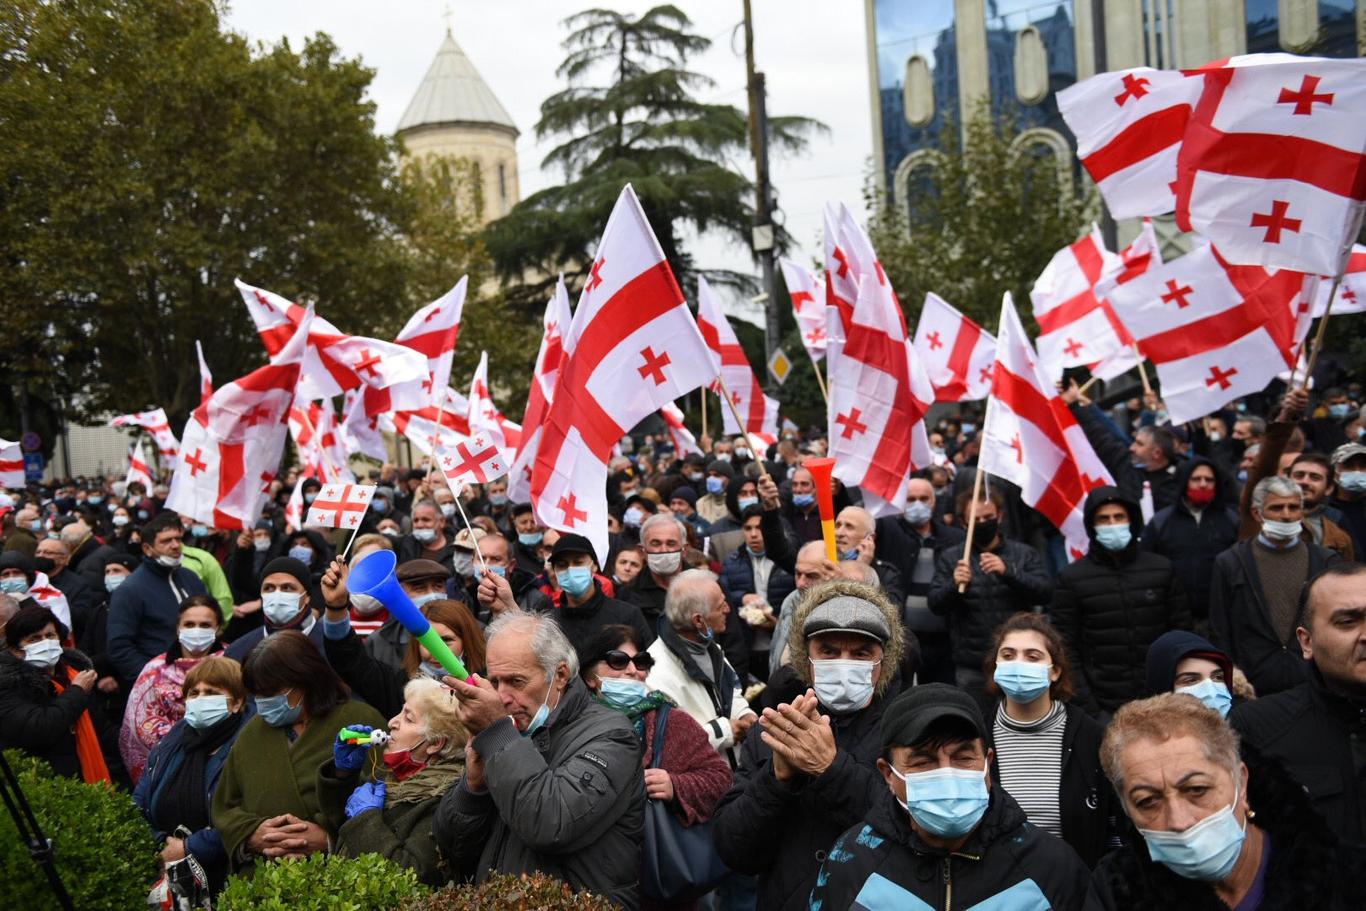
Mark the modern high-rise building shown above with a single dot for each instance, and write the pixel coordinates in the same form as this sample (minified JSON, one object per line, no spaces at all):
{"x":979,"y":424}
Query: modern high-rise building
{"x":935,"y":61}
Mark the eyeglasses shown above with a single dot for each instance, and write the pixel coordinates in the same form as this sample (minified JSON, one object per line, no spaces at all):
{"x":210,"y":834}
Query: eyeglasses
{"x":617,"y":660}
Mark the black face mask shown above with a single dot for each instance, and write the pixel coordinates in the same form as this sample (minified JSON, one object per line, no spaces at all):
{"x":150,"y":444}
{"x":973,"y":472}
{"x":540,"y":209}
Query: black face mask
{"x":985,"y":534}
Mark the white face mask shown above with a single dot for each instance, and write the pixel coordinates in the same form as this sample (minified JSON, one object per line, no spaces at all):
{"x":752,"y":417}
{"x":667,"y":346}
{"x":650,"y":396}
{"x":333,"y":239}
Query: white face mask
{"x":665,"y":564}
{"x":169,"y":562}
{"x":366,"y":605}
{"x":1281,"y":531}
{"x":43,"y":654}
{"x":196,"y":639}
{"x":843,"y":686}
{"x":280,"y":607}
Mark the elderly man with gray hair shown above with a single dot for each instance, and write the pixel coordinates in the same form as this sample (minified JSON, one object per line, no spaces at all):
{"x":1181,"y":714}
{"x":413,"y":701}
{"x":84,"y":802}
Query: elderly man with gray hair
{"x":553,"y":780}
{"x":1255,"y":590}
{"x":811,"y":772}
{"x":690,"y":666}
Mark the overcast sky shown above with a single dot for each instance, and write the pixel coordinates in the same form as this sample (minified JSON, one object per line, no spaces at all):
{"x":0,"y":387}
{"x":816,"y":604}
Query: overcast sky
{"x":812,"y":51}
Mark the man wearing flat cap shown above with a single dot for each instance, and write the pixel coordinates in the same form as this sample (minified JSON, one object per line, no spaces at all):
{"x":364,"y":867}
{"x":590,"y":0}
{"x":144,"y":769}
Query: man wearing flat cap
{"x":808,"y":770}
{"x":939,"y":834}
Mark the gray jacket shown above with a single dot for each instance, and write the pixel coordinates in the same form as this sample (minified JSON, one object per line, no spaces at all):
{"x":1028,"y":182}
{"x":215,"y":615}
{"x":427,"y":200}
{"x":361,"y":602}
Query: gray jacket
{"x":568,"y":801}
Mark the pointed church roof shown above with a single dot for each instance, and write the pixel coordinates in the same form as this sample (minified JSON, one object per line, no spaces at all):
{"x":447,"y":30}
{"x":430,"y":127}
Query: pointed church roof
{"x":454,"y":92}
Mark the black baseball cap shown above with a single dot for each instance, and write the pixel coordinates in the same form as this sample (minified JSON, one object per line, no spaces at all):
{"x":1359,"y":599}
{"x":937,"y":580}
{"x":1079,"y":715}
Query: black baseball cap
{"x":910,"y":715}
{"x":571,"y":544}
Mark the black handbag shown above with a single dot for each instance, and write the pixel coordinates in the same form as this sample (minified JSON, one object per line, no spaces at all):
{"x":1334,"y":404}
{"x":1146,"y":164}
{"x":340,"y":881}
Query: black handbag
{"x":680,"y":862}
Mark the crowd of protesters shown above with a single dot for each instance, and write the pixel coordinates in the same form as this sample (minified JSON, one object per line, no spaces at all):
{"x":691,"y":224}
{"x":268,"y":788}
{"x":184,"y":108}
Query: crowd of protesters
{"x":1174,"y":719}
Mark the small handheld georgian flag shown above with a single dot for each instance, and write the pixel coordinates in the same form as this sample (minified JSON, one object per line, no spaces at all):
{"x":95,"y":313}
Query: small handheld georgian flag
{"x":340,"y":505}
{"x":477,"y":460}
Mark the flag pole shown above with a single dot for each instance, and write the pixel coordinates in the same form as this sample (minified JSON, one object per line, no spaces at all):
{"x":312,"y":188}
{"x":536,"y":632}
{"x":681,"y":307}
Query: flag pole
{"x":725,"y":394}
{"x":1087,"y":385}
{"x":352,"y":539}
{"x":1143,"y":371}
{"x":703,"y":392}
{"x":972,"y":513}
{"x":820,"y":381}
{"x":431,"y":459}
{"x":483,"y":567}
{"x":1323,"y":330}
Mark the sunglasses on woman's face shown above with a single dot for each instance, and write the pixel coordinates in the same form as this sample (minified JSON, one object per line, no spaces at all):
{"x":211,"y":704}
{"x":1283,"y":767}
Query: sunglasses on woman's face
{"x":617,"y":660}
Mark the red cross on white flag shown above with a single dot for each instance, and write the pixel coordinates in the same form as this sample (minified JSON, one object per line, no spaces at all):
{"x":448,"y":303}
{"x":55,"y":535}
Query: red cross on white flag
{"x":632,"y":348}
{"x":486,"y":420}
{"x":556,"y":322}
{"x":958,"y":356}
{"x":1032,"y":440}
{"x":340,"y":505}
{"x":156,"y":423}
{"x":1077,"y":327}
{"x":1273,"y":166}
{"x":758,"y":411}
{"x":1351,"y":296}
{"x":478,"y":460}
{"x":684,"y":442}
{"x":444,"y":425}
{"x":137,"y":469}
{"x":433,"y":332}
{"x":12,"y":466}
{"x":807,"y":290}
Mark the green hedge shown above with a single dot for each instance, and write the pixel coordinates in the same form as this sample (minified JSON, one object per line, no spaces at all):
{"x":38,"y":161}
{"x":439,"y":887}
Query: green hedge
{"x":322,"y":882}
{"x":506,"y":892}
{"x":104,"y":848}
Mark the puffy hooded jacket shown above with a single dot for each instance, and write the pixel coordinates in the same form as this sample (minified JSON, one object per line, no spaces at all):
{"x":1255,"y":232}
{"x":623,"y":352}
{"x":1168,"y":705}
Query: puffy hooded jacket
{"x":1192,"y":544}
{"x":1110,"y":606}
{"x":989,"y":599}
{"x":1170,"y":649}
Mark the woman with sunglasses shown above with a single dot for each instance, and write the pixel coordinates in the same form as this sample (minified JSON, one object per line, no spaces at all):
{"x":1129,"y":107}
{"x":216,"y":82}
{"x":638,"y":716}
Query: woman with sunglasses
{"x":690,"y":776}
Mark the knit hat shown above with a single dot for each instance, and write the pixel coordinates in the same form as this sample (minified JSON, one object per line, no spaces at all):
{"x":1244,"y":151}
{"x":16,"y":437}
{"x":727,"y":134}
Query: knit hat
{"x":15,"y":559}
{"x":725,"y":469}
{"x":296,"y":568}
{"x":847,"y":614}
{"x":909,"y":716}
{"x":685,"y":493}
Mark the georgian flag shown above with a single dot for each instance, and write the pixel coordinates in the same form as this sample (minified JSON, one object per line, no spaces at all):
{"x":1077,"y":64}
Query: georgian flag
{"x":155,"y":423}
{"x":477,"y":460}
{"x":427,"y":427}
{"x":340,"y":505}
{"x":1031,"y":439}
{"x":137,"y":469}
{"x":486,"y":420}
{"x":556,"y":323}
{"x":359,"y":431}
{"x":205,"y":377}
{"x":48,"y":595}
{"x":685,"y":443}
{"x":432,"y":332}
{"x":1076,"y":326}
{"x":1351,"y":295}
{"x":958,"y":356}
{"x":807,"y":290}
{"x":758,"y":411}
{"x":632,"y":348}
{"x":12,"y":466}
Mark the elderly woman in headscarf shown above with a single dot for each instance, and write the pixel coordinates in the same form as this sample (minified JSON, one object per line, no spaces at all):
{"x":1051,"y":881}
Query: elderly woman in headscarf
{"x":423,"y":756}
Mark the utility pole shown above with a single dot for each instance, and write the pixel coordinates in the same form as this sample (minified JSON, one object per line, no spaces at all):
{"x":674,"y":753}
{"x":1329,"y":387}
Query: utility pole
{"x":763,"y":237}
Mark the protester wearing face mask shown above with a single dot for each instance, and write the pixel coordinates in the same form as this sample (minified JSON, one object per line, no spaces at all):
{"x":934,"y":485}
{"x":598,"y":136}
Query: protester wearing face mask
{"x":144,"y":610}
{"x":711,"y":505}
{"x":1183,"y":662}
{"x":1046,"y":752}
{"x":428,"y":540}
{"x":911,"y":542}
{"x":287,"y":602}
{"x":801,"y":511}
{"x":1255,"y":592}
{"x":1112,"y":603}
{"x":495,"y":502}
{"x":529,"y":534}
{"x":377,"y":682}
{"x":553,"y":780}
{"x":582,"y":607}
{"x":156,"y":703}
{"x":682,"y":770}
{"x":662,"y":538}
{"x":95,"y":642}
{"x":1214,"y":831}
{"x":300,"y":704}
{"x":1313,"y":472}
{"x":176,"y":790}
{"x":465,"y":563}
{"x":1349,"y":466}
{"x":807,"y":770}
{"x":942,"y":833}
{"x":46,"y":708}
{"x":423,"y":758}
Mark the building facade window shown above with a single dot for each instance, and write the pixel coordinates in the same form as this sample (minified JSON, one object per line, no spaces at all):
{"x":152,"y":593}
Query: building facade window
{"x":1053,"y":37}
{"x":1321,"y":28}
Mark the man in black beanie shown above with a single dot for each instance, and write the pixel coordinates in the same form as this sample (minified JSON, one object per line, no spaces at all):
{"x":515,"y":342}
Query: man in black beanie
{"x":285,"y":604}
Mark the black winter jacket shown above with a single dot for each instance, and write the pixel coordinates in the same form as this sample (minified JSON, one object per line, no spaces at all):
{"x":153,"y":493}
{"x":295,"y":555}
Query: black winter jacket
{"x":1307,"y":868}
{"x":989,"y":599}
{"x":1318,"y":736}
{"x":1090,"y":812}
{"x":581,"y":623}
{"x":1191,"y":546}
{"x":37,"y":719}
{"x":899,"y":545}
{"x":1005,"y":863}
{"x":1240,"y":622}
{"x":1114,"y":454}
{"x":1109,"y":606}
{"x":783,"y":831}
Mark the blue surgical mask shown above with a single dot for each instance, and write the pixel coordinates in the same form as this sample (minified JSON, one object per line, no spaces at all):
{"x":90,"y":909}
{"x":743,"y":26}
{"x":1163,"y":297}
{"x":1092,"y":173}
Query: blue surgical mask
{"x":498,"y":499}
{"x":280,"y":607}
{"x":196,"y":639}
{"x":803,"y":499}
{"x":1339,"y":410}
{"x":205,"y":711}
{"x":716,"y":486}
{"x":1212,"y":693}
{"x":1353,"y":481}
{"x":36,"y":526}
{"x":968,"y":428}
{"x":1207,"y":851}
{"x":539,"y":718}
{"x":94,"y":501}
{"x":14,"y":585}
{"x":301,"y":553}
{"x":119,"y":521}
{"x":199,"y":530}
{"x":499,"y":571}
{"x":380,"y":505}
{"x":918,"y":512}
{"x":310,"y":497}
{"x":1113,"y":537}
{"x":576,"y":580}
{"x":946,"y":802}
{"x":113,"y":582}
{"x":425,"y":535}
{"x":427,"y":598}
{"x":276,"y":710}
{"x":1022,"y":681}
{"x":531,"y":539}
{"x":746,"y":502}
{"x":622,"y":692}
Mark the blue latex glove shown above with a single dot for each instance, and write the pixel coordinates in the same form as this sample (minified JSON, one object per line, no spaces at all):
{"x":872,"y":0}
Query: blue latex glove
{"x":349,"y":757}
{"x":369,"y":796}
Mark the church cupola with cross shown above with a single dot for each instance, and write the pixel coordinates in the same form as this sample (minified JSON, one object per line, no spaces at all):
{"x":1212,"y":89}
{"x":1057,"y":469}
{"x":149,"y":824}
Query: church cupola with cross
{"x":455,"y":113}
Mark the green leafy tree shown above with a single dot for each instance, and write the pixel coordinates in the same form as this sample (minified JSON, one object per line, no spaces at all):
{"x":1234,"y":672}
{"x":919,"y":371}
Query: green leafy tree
{"x":149,"y":158}
{"x":985,"y":217}
{"x":629,"y":114}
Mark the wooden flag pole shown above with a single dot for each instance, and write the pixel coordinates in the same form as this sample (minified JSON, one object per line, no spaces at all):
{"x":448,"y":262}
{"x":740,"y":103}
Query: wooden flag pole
{"x":703,"y":392}
{"x":1087,"y":385}
{"x":1143,"y":371}
{"x":820,"y":380}
{"x":725,"y":394}
{"x":972,"y":518}
{"x":1323,"y":330}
